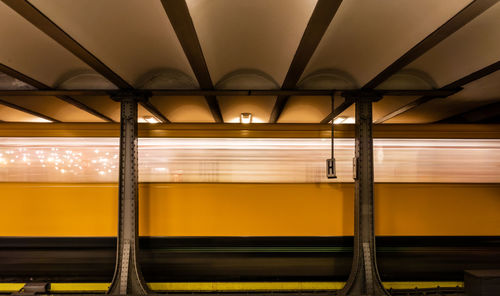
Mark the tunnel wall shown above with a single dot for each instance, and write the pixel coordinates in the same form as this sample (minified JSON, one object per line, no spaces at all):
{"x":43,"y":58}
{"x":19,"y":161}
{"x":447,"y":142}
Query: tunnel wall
{"x":205,"y":209}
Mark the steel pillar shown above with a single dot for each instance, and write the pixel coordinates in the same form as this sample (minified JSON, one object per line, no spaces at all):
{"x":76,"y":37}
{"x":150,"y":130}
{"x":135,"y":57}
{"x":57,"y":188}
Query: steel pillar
{"x":128,"y":277}
{"x":364,"y":278}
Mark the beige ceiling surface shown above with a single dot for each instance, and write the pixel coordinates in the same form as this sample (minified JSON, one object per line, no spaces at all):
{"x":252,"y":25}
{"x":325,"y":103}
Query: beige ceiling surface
{"x":183,"y":109}
{"x":104,"y":105}
{"x":367,"y":36}
{"x":130,"y":37}
{"x":471,"y":48}
{"x":475,"y":94}
{"x":142,"y":112}
{"x":54,"y":108}
{"x":257,"y":34}
{"x":308,"y":109}
{"x":250,"y":44}
{"x":13,"y":115}
{"x":27,"y":50}
{"x":380,"y":108}
{"x":389,"y":104}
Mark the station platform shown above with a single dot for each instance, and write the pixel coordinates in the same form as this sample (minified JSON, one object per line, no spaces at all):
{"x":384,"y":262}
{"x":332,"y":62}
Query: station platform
{"x":249,"y":288}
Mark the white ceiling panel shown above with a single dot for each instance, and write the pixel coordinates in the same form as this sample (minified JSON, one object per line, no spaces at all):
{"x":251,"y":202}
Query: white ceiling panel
{"x":478,"y":93}
{"x":29,"y":51}
{"x":473,"y":47}
{"x":257,"y":34}
{"x":132,"y":37}
{"x":367,"y":36}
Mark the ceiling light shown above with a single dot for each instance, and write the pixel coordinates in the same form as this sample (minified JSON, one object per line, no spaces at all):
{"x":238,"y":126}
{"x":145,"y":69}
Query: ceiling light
{"x":349,"y":120}
{"x":150,"y":119}
{"x":339,"y":120}
{"x":246,"y":118}
{"x":41,"y":120}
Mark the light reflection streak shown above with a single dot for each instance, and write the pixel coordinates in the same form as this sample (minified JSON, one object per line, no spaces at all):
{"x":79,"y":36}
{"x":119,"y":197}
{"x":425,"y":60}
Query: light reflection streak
{"x":247,"y":160}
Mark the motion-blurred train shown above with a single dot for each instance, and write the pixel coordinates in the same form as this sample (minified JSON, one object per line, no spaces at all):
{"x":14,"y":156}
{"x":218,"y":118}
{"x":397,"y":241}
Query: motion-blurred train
{"x":247,"y":204}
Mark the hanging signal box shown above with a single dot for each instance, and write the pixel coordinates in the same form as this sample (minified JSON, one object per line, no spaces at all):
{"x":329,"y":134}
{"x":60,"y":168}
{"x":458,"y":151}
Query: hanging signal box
{"x":331,"y":172}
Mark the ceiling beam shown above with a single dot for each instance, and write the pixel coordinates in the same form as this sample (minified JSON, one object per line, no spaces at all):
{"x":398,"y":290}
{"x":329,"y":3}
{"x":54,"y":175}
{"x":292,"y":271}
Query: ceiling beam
{"x":318,"y":23}
{"x":444,"y":31}
{"x":44,"y":24}
{"x":454,"y":85}
{"x":37,"y":84}
{"x":28,"y":111}
{"x":226,"y":92}
{"x":178,"y":14}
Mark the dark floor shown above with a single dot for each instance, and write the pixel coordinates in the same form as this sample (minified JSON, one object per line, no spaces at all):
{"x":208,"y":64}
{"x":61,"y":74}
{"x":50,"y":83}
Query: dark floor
{"x":239,"y":259}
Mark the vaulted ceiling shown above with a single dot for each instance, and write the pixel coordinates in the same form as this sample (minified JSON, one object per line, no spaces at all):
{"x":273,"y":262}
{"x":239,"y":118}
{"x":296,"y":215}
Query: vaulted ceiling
{"x":250,"y":44}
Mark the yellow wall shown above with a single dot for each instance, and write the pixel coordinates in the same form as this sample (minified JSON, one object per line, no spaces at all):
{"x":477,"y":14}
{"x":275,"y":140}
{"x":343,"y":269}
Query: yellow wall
{"x":32,"y":209}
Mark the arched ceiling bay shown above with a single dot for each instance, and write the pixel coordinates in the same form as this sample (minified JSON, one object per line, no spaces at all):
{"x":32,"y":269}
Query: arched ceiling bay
{"x":475,"y":94}
{"x":257,"y":34}
{"x":130,"y":37}
{"x":471,"y":48}
{"x":30,"y":51}
{"x":54,"y":108}
{"x":367,"y":36}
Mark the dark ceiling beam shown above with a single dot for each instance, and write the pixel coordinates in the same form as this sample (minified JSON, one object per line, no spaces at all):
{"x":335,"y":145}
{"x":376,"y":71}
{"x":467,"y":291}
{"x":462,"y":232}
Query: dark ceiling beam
{"x":44,"y":24}
{"x":451,"y":26}
{"x":41,"y":86}
{"x":454,"y":85}
{"x":28,"y":111}
{"x":318,"y":23}
{"x":226,"y":92}
{"x":178,"y":14}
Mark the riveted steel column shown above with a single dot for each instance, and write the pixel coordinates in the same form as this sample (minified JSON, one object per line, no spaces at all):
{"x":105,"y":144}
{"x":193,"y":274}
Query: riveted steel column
{"x":128,"y":277}
{"x":364,"y":278}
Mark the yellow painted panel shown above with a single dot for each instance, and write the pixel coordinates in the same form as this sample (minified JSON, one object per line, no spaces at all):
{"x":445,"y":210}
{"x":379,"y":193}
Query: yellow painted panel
{"x":31,"y":209}
{"x":37,"y":209}
{"x":10,"y":287}
{"x":437,"y":209}
{"x":79,"y":287}
{"x":246,"y":209}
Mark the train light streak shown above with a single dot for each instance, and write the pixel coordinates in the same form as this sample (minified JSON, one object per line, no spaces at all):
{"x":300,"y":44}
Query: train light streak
{"x":247,"y":160}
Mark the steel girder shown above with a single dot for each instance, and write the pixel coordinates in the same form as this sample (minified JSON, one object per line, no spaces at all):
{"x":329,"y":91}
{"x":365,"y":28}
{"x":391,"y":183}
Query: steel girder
{"x":128,"y":278}
{"x":364,"y":278}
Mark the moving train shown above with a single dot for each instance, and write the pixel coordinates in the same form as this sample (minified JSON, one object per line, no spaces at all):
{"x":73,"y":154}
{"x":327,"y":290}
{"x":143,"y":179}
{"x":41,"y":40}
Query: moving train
{"x":247,"y":204}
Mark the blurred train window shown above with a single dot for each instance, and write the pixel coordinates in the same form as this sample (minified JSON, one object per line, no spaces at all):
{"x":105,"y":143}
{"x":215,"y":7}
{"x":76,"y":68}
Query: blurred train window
{"x":247,"y":160}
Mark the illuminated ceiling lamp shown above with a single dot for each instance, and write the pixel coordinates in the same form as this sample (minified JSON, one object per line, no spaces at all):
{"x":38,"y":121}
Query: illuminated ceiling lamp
{"x":150,"y":119}
{"x":246,"y":118}
{"x":339,"y":120}
{"x":343,"y":120}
